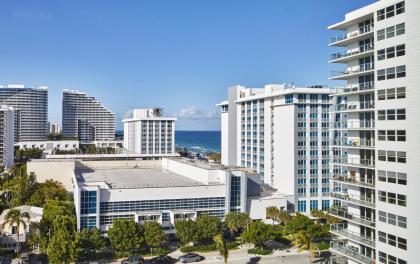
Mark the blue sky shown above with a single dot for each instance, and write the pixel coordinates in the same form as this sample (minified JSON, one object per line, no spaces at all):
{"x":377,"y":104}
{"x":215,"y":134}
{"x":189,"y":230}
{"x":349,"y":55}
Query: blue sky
{"x":180,"y":55}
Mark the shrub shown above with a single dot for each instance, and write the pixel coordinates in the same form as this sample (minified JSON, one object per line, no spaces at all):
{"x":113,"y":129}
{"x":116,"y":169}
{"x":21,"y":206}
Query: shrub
{"x":323,"y":245}
{"x":259,"y":251}
{"x":160,"y":251}
{"x":208,"y":248}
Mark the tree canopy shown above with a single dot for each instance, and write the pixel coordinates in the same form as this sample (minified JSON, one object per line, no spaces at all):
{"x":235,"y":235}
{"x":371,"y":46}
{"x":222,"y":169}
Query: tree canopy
{"x":125,"y":236}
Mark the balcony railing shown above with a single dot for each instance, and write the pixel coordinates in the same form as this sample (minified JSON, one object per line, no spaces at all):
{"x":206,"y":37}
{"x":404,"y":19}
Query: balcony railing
{"x":351,"y":88}
{"x":354,"y":199}
{"x":353,"y":70}
{"x":363,"y":220}
{"x":353,"y":181}
{"x":348,"y":107}
{"x":353,"y":34}
{"x":349,"y":53}
{"x":355,"y":143}
{"x":353,"y":124}
{"x":345,"y":160}
{"x":341,"y":230}
{"x":351,"y":252}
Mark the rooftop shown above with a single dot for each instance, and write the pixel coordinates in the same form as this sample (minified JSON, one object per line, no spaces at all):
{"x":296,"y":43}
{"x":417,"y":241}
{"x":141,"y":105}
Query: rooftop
{"x":209,"y":166}
{"x":135,"y":178}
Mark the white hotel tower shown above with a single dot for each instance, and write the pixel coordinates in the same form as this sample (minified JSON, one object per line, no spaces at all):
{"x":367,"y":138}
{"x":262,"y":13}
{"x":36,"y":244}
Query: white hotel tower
{"x":150,"y":134}
{"x":282,"y":133}
{"x":376,"y":134}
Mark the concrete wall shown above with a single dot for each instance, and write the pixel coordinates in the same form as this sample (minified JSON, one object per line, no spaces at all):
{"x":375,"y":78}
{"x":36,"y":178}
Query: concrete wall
{"x":58,"y":170}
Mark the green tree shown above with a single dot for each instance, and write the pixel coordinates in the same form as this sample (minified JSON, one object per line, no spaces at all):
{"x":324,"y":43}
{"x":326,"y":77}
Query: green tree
{"x":303,"y":241}
{"x":186,"y":231}
{"x":153,"y":234}
{"x":88,"y":243}
{"x":257,"y":234}
{"x":298,"y":223}
{"x":62,"y":248}
{"x":125,"y":235}
{"x":20,"y":186}
{"x":236,"y":222}
{"x":49,"y":190}
{"x":221,"y":246}
{"x":207,"y":228}
{"x":53,"y":208}
{"x":15,"y":217}
{"x":38,"y":238}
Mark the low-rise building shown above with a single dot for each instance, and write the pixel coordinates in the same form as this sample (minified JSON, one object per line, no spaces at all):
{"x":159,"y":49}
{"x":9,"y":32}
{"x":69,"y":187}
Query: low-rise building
{"x":11,"y":233}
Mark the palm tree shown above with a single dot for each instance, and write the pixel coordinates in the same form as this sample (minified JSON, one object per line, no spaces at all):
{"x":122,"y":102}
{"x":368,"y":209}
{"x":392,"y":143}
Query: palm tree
{"x":272,"y":213}
{"x":303,"y":241}
{"x":221,"y":246}
{"x":14,"y":216}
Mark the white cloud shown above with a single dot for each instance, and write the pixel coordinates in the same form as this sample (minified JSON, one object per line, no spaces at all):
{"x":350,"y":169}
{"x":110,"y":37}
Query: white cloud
{"x":194,"y":112}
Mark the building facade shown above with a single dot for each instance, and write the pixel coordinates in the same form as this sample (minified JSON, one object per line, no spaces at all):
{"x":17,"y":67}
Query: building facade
{"x":148,"y":133}
{"x":7,"y":129}
{"x":31,"y":111}
{"x":166,"y":191}
{"x":375,"y":147}
{"x":281,"y":132}
{"x":85,"y":118}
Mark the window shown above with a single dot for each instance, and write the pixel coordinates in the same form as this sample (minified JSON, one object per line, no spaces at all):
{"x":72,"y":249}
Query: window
{"x":381,"y":135}
{"x":381,"y":155}
{"x":382,"y":196}
{"x":381,"y":54}
{"x":390,"y":52}
{"x":390,"y":114}
{"x":390,"y":73}
{"x":400,"y":114}
{"x":400,"y":29}
{"x":382,"y":175}
{"x":380,"y":14}
{"x":382,"y":236}
{"x":392,"y":219}
{"x":392,"y":198}
{"x":400,"y":8}
{"x":402,"y":243}
{"x":380,"y":34}
{"x":392,"y":177}
{"x":402,"y":178}
{"x":401,"y":71}
{"x":402,"y":199}
{"x":381,"y":115}
{"x":391,"y":135}
{"x":381,"y":75}
{"x":400,"y":50}
{"x":382,"y":216}
{"x":402,"y":221}
{"x":390,"y":11}
{"x":400,"y":92}
{"x":401,"y":157}
{"x":390,"y":32}
{"x":382,"y":257}
{"x":381,"y":95}
{"x":392,"y":240}
{"x":391,"y":156}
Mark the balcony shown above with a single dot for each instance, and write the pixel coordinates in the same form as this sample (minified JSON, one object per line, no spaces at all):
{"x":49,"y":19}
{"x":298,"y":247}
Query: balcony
{"x":352,"y":72}
{"x":341,"y":230}
{"x":340,"y":247}
{"x":354,"y":199}
{"x":353,"y":181}
{"x":353,"y":107}
{"x":354,"y":88}
{"x":354,"y":144}
{"x":354,"y":54}
{"x":361,"y":220}
{"x":353,"y":125}
{"x":348,"y":37}
{"x":353,"y":162}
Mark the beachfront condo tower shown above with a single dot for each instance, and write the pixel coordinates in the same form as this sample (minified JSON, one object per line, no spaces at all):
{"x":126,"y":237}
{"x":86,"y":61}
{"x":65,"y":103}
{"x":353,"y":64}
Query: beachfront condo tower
{"x":281,"y":132}
{"x":375,"y":134}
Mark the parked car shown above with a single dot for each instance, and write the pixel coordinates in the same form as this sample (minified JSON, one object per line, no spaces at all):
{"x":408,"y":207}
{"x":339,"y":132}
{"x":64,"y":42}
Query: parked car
{"x":24,"y":260}
{"x":190,"y":257}
{"x":162,"y":260}
{"x":133,"y":260}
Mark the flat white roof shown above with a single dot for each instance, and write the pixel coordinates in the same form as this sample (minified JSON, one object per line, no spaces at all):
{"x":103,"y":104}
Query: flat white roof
{"x":135,"y":178}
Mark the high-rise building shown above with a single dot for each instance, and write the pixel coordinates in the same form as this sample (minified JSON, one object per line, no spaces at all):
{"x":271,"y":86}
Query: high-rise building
{"x":85,"y":118}
{"x":7,"y":129}
{"x":281,"y":132}
{"x":149,"y":133}
{"x":55,"y":129}
{"x":31,"y":111}
{"x":375,"y":136}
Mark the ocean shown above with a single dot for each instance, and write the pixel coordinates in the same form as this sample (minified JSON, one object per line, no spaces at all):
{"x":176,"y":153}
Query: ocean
{"x":198,"y":141}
